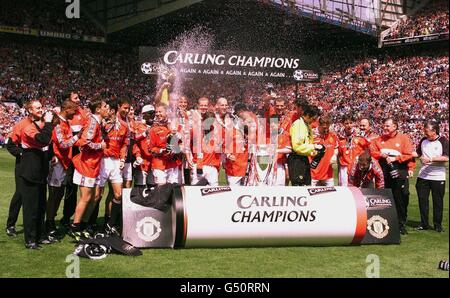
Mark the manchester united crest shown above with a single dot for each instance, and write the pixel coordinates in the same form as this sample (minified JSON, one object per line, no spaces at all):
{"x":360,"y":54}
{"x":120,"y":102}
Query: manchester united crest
{"x":378,"y":227}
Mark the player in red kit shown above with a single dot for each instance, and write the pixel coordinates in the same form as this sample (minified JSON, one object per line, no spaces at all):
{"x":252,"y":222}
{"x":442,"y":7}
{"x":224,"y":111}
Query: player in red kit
{"x":233,"y":144}
{"x":282,"y":142}
{"x":76,"y":124}
{"x":322,"y":175}
{"x":141,"y":148}
{"x":350,"y":147}
{"x":87,"y":162}
{"x":122,"y":108}
{"x":63,"y":141}
{"x":278,"y":108}
{"x":366,"y":173}
{"x":206,"y":150}
{"x":112,"y":164}
{"x":165,"y":163}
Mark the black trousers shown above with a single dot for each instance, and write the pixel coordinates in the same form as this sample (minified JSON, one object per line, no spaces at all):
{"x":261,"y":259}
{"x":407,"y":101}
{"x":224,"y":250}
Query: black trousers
{"x":299,"y":170}
{"x":400,"y":191}
{"x":15,"y":205}
{"x":33,"y":199}
{"x":70,"y":196}
{"x":437,"y":189}
{"x":187,"y":176}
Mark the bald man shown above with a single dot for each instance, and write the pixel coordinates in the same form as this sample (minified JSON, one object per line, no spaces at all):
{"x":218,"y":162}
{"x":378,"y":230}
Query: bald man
{"x":365,"y":130}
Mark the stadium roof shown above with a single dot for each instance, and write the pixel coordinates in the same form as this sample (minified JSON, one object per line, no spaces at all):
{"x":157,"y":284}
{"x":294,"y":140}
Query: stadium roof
{"x":358,"y":15}
{"x":245,"y":25}
{"x":365,"y":16}
{"x":117,"y":15}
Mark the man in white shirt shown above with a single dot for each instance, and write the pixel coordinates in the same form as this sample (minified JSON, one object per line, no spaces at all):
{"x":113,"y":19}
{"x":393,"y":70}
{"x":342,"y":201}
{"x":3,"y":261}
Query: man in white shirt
{"x":433,"y":153}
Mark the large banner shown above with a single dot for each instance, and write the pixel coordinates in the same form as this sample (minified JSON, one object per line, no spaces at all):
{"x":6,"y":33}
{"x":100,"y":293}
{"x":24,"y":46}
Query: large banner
{"x":382,"y":222}
{"x":239,"y":65}
{"x":18,"y":30}
{"x":264,"y":216}
{"x":94,"y":38}
{"x":72,"y":36}
{"x":415,"y":39}
{"x":147,"y":227}
{"x":54,"y":34}
{"x":273,"y":216}
{"x":51,"y":34}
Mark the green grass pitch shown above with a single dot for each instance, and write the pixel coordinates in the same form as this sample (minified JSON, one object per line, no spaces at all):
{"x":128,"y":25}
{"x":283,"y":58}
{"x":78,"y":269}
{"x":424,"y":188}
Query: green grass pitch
{"x":417,"y":256}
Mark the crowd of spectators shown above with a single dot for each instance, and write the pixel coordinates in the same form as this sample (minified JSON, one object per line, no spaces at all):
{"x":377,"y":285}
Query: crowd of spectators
{"x":46,"y":72}
{"x":45,"y":15}
{"x":9,"y":115}
{"x":430,"y":20}
{"x":412,"y":87}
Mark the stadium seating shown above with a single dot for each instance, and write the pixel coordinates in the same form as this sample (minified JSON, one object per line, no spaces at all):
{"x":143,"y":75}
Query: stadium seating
{"x":412,"y":87}
{"x":430,"y":20}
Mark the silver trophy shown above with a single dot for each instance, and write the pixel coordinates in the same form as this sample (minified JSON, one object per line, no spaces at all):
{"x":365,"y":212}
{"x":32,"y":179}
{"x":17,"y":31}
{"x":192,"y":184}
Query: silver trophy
{"x":262,"y":164}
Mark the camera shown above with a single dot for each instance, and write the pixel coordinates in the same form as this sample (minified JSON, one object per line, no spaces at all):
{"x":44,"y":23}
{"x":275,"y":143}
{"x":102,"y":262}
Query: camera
{"x":320,"y":153}
{"x":443,"y":265}
{"x":393,"y":171}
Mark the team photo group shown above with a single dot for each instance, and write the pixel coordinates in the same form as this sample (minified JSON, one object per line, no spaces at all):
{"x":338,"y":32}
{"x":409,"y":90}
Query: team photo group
{"x":224,"y":139}
{"x":74,"y":149}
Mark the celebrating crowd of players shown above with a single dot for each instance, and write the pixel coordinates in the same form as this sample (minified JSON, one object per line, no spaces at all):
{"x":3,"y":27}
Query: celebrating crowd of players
{"x":75,"y":147}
